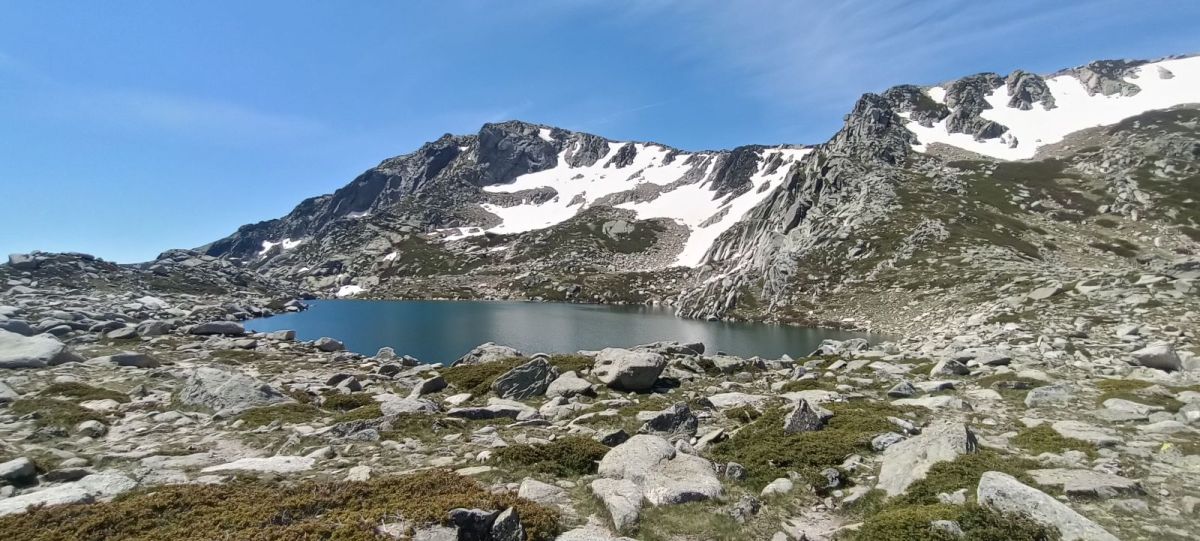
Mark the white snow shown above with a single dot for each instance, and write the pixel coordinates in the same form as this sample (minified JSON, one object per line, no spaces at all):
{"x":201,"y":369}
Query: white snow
{"x":346,"y":291}
{"x":544,"y":133}
{"x":937,"y":93}
{"x":358,"y":214}
{"x":287,"y":244}
{"x":1075,"y":110}
{"x":391,"y":256}
{"x":459,"y":233}
{"x":497,"y":248}
{"x":588,"y":183}
{"x":693,"y":204}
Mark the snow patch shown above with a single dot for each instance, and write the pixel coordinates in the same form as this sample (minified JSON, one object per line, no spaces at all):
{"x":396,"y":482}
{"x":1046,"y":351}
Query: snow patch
{"x":694,"y":204}
{"x":544,"y":133}
{"x":286,"y":244}
{"x":348,"y":290}
{"x":392,"y":256}
{"x":1075,"y":110}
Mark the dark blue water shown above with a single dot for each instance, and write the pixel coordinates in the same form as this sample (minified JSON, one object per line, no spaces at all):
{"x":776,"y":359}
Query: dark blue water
{"x":441,"y":331}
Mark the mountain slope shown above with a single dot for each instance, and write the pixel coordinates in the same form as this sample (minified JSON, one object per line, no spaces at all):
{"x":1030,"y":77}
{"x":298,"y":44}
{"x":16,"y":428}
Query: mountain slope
{"x":528,"y":211}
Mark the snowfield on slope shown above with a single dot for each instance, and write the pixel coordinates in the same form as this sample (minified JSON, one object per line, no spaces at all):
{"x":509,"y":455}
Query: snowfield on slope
{"x":1075,"y":110}
{"x":690,"y":204}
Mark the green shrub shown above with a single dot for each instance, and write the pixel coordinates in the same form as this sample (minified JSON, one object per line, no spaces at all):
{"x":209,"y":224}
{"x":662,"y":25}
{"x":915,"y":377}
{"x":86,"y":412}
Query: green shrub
{"x":964,"y":472}
{"x":347,"y":402}
{"x":1127,"y":389}
{"x":743,"y":414}
{"x":911,"y":523}
{"x":255,"y":509}
{"x":807,"y":385}
{"x":768,"y":453}
{"x":477,"y":379}
{"x":81,"y":392}
{"x":284,"y":413}
{"x":361,"y":413}
{"x":567,"y":456}
{"x":53,"y":412}
{"x":1044,"y":439}
{"x":572,"y":363}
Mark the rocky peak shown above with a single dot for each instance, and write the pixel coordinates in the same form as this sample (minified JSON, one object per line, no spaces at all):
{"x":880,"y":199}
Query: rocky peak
{"x":967,"y":97}
{"x":1025,"y":89}
{"x":912,"y":99}
{"x":1107,"y":77}
{"x":510,"y":149}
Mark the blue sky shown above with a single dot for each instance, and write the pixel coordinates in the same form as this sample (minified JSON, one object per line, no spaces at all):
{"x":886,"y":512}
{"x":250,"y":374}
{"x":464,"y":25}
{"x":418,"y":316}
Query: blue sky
{"x":127,"y":128}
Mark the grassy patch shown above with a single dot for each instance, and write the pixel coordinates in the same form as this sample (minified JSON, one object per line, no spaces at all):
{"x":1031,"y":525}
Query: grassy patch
{"x":1127,"y":389}
{"x":695,"y":520}
{"x":911,"y":523}
{"x":347,"y":402}
{"x":743,"y":414}
{"x":1009,"y":385}
{"x":53,"y":412}
{"x":251,"y":509}
{"x":284,"y":413}
{"x":964,"y":472}
{"x":361,"y":413}
{"x":564,"y":457}
{"x":768,"y":453}
{"x":477,"y":379}
{"x":808,"y":385}
{"x":572,"y":363}
{"x":1043,"y":439}
{"x":81,"y":392}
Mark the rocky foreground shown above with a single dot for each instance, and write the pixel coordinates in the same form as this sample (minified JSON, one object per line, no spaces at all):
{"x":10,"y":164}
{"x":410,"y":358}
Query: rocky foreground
{"x":135,"y":406}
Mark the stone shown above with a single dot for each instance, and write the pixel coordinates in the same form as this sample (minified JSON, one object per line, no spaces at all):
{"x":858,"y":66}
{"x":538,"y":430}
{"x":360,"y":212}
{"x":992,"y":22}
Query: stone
{"x":623,"y":500}
{"x":903,"y":389}
{"x":7,"y":394}
{"x":17,"y":326}
{"x":274,"y":464}
{"x":391,"y":405}
{"x":908,"y":461}
{"x":724,"y":401}
{"x":328,"y":345}
{"x":1160,"y":355}
{"x":427,"y":386}
{"x":228,"y":328}
{"x":568,"y":385}
{"x":780,"y":486}
{"x":283,"y":336}
{"x":949,"y":367}
{"x":1043,"y":293}
{"x":91,"y":429}
{"x":611,"y":437}
{"x":628,"y":370}
{"x":97,"y":486}
{"x":745,"y":509}
{"x":18,"y":471}
{"x":1049,"y":395}
{"x":129,"y":359}
{"x":666,"y":477}
{"x":123,"y":333}
{"x":228,"y":392}
{"x":673,"y":422}
{"x":1002,"y":493}
{"x":17,"y":351}
{"x":472,"y":524}
{"x":806,"y":417}
{"x":154,"y":328}
{"x":507,"y":526}
{"x":487,"y":353}
{"x":881,"y":442}
{"x":1086,"y":483}
{"x":525,"y":381}
{"x":589,"y":533}
{"x":543,"y":493}
{"x":1082,"y":431}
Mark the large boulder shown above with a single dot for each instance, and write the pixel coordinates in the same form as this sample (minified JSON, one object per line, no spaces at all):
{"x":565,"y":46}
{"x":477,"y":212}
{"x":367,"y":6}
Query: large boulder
{"x":128,"y":358}
{"x":908,"y":461}
{"x":628,"y":370}
{"x":17,"y":351}
{"x":526,"y":381}
{"x":228,"y":392}
{"x":1003,"y":493}
{"x":487,"y":353}
{"x":806,"y":417}
{"x":651,"y":466}
{"x":675,"y":422}
{"x":568,"y":385}
{"x":230,"y":328}
{"x":1160,"y":355}
{"x":97,"y":486}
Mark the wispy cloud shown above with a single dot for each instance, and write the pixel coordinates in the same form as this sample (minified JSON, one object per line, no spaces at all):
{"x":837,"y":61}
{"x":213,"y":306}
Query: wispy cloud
{"x":192,"y":116}
{"x":206,"y":118}
{"x":806,"y":54}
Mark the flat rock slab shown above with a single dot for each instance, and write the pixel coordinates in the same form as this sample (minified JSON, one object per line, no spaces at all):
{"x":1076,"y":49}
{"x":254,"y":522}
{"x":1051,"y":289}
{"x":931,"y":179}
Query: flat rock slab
{"x":1002,"y":493}
{"x":274,"y":464}
{"x":17,"y":351}
{"x":1092,"y":434}
{"x":907,"y":462}
{"x":1086,"y":483}
{"x":98,"y":486}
